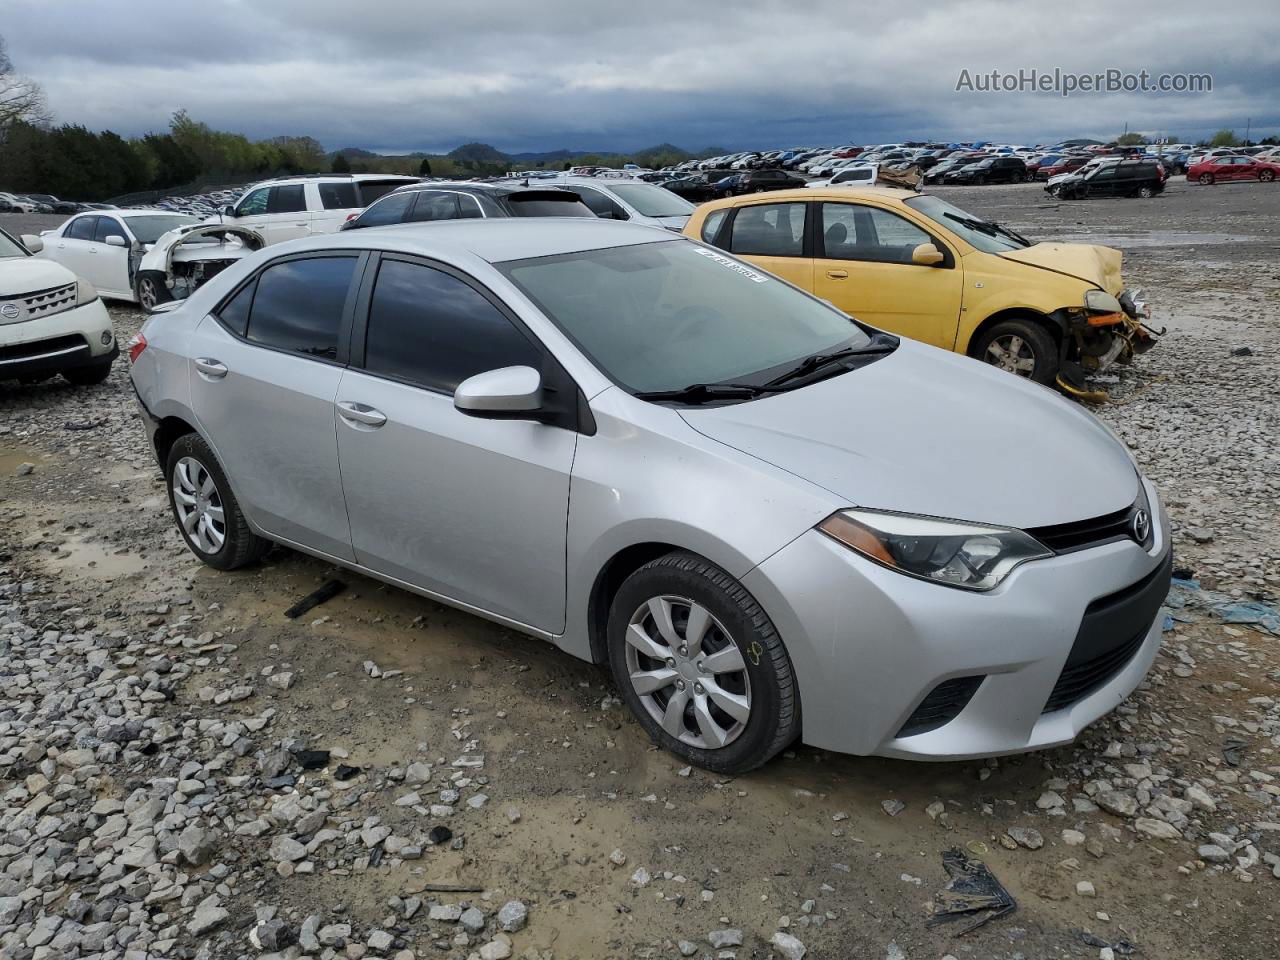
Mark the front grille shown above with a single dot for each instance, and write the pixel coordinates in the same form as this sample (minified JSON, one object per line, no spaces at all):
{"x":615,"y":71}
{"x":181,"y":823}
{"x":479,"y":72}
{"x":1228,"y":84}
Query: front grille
{"x":42,"y":303}
{"x":1111,"y":632}
{"x":942,"y":705}
{"x":38,"y":348}
{"x":1082,"y":534}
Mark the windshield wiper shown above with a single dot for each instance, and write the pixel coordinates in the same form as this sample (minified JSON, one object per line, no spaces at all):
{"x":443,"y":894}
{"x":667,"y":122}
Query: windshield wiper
{"x":989,"y":227}
{"x":820,"y":361}
{"x":708,"y":392}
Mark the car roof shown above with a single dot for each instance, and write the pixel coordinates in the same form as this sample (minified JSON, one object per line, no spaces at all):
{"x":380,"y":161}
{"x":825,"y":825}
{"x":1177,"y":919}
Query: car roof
{"x":813,"y":193}
{"x":126,"y":213}
{"x":493,"y":240}
{"x":495,"y":189}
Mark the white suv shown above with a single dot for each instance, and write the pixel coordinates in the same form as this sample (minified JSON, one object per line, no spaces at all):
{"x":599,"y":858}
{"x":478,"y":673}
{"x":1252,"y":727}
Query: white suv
{"x":292,"y":207}
{"x":50,"y":322}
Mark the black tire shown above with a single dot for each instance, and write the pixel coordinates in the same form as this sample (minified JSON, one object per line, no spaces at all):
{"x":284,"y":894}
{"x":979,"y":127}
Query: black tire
{"x":774,"y":718}
{"x":1206,"y":178}
{"x":1054,"y":191}
{"x":1036,"y":339}
{"x":241,"y":546}
{"x":1266,"y":176}
{"x":1146,"y":193}
{"x":980,"y":181}
{"x":88,"y":376}
{"x":151,"y":291}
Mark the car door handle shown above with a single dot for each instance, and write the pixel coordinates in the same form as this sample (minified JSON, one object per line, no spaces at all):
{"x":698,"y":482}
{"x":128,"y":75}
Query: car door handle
{"x":361,"y":413}
{"x":837,"y":274}
{"x":210,"y":369}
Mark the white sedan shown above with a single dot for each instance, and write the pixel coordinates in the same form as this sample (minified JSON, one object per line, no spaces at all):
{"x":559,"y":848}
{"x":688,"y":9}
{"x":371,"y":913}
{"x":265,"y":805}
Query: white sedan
{"x":105,"y":248}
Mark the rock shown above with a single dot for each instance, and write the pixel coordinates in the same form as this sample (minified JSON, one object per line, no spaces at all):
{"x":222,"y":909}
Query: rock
{"x":271,"y":935}
{"x":381,"y":941}
{"x":445,"y":912}
{"x":333,"y":934}
{"x":1085,"y":889}
{"x":1120,"y":804}
{"x":1050,"y":800}
{"x":195,"y":844}
{"x":25,"y":469}
{"x":725,"y":938}
{"x":788,"y":946}
{"x":1027,"y":837}
{"x":281,"y":681}
{"x":686,"y":948}
{"x":893,"y":807}
{"x":1212,"y":853}
{"x":307,"y":939}
{"x":1201,"y":798}
{"x":618,"y":858}
{"x":1072,"y":838}
{"x":640,"y":878}
{"x":495,"y":950}
{"x":1157,"y":829}
{"x":286,"y":849}
{"x":209,"y":914}
{"x":513,"y":916}
{"x":472,"y":920}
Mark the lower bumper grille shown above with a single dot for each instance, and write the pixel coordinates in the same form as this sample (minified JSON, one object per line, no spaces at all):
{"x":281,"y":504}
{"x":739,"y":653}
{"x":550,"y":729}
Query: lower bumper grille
{"x":941,"y":706}
{"x":1110,"y":634}
{"x":40,"y":348}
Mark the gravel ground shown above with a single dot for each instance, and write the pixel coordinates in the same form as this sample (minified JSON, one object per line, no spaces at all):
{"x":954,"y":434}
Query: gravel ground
{"x":186,"y":773}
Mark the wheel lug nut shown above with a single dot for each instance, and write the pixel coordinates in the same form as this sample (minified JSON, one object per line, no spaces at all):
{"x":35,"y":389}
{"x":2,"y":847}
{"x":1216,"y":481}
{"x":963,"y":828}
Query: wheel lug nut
{"x":679,"y":684}
{"x":671,"y":662}
{"x":697,"y":688}
{"x":684,"y":651}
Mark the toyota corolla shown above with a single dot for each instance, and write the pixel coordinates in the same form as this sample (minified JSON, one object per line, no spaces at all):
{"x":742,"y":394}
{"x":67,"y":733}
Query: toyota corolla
{"x":771,"y":521}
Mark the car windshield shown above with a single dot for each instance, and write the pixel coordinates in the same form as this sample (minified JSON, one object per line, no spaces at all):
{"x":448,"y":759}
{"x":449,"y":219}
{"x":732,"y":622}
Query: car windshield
{"x":651,"y":201}
{"x":666,"y":315}
{"x":10,"y":247}
{"x":985,"y":236}
{"x":149,"y":229}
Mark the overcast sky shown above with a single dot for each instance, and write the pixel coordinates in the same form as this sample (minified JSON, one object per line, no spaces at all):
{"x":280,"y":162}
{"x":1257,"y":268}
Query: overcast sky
{"x":392,"y":75}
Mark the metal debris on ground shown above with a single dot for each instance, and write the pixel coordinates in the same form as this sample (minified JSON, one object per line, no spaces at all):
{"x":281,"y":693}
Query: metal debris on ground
{"x":972,"y":892}
{"x":1121,"y":947}
{"x":1232,"y":747}
{"x":1186,"y":596}
{"x":316,"y":597}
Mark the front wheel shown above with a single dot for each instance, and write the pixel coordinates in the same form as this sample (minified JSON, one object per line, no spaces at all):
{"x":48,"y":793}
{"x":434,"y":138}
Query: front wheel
{"x":151,"y":293}
{"x":701,"y":665}
{"x":1206,"y":178}
{"x":1021,"y":347}
{"x":1146,"y":193}
{"x":208,"y":514}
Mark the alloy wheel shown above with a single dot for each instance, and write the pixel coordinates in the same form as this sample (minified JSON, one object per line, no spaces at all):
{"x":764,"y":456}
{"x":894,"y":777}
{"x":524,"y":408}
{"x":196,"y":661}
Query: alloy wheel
{"x":147,"y":295}
{"x":1012,"y":353}
{"x":688,"y":672}
{"x":198,"y":503}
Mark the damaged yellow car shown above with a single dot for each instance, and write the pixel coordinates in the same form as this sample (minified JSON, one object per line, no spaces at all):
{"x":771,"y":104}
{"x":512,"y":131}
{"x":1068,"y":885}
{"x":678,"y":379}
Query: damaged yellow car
{"x":915,"y":265}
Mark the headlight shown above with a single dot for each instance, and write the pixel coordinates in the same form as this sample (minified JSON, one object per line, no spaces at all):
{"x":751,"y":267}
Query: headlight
{"x":971,"y":556}
{"x":85,"y":293}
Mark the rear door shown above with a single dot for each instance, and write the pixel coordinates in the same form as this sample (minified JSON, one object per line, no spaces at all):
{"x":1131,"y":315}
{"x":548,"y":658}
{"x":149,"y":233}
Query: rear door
{"x":863,"y":265}
{"x":471,"y":509}
{"x":772,"y":236}
{"x":71,"y":247}
{"x":264,"y":376}
{"x":335,"y":202}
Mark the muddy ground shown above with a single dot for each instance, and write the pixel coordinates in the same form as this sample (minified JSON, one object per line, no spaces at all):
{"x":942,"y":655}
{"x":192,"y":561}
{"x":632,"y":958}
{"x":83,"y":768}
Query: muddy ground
{"x":805,"y":843}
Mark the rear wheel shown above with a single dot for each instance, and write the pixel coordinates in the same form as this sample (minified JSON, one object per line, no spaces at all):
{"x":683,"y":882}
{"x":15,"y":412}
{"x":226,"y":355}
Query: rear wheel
{"x":1146,"y":193}
{"x":1266,"y":176}
{"x":701,"y":665}
{"x":208,"y":514}
{"x":1206,"y":178}
{"x":1021,"y":347}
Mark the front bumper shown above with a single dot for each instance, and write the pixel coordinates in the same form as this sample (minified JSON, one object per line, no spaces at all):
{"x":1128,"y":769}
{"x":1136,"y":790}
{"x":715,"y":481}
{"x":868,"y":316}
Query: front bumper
{"x":869,"y":646}
{"x":64,"y":341}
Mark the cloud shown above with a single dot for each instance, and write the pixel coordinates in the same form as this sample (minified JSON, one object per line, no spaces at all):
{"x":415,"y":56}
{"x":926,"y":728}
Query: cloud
{"x":395,"y":74}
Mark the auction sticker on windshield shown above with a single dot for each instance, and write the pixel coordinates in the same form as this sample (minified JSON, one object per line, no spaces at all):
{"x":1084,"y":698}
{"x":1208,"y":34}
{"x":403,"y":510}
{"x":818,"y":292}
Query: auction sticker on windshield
{"x":732,"y":265}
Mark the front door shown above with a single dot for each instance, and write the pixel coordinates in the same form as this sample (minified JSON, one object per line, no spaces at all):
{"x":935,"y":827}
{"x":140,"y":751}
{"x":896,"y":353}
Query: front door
{"x":771,"y":235}
{"x":471,"y":509}
{"x":278,"y":213}
{"x":264,"y":376}
{"x":863,"y":265}
{"x":108,"y":264}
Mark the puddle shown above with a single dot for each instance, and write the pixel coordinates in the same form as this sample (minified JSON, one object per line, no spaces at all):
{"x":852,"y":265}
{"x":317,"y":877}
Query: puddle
{"x":1156,"y":238}
{"x":12,"y":457}
{"x":84,"y":558}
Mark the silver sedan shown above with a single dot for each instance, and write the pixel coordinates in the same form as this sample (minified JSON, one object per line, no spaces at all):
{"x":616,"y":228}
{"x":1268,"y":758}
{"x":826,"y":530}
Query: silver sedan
{"x":771,"y":521}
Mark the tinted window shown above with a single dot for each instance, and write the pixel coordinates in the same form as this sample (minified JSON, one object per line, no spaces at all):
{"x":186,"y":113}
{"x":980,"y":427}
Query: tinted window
{"x":338,"y":196}
{"x":235,"y":312}
{"x":387,"y":210}
{"x":601,"y":205}
{"x":82,"y":229}
{"x":769,"y":230}
{"x":371,"y":190}
{"x":287,"y":199}
{"x":151,"y":228}
{"x":254,"y":203}
{"x":435,"y":206}
{"x":853,"y":232}
{"x":108,"y":227}
{"x":299,"y":303}
{"x":430,"y":328}
{"x":541,"y":205}
{"x":711,"y":225}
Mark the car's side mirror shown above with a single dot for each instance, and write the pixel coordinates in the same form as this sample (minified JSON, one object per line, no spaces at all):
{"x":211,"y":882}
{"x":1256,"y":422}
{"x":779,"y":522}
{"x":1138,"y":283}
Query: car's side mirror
{"x":33,"y":244}
{"x":509,"y":393}
{"x":115,"y":240}
{"x":229,"y":211}
{"x":927,"y":255}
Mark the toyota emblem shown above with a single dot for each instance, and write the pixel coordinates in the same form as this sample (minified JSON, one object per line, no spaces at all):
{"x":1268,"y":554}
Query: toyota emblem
{"x":10,"y":311}
{"x":1140,"y":525}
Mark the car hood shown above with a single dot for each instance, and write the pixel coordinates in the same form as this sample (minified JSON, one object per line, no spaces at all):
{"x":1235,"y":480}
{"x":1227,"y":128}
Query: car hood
{"x":928,"y":432}
{"x":1086,"y":261}
{"x":23,"y":275}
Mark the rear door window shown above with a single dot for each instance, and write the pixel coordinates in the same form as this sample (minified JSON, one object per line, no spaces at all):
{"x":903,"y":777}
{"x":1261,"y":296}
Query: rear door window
{"x":338,"y":196}
{"x":234,"y":314}
{"x":82,"y":228}
{"x":299,"y":303}
{"x":601,"y":204}
{"x":288,"y":199}
{"x":769,"y":230}
{"x":434,"y":205}
{"x":431,"y":329}
{"x":391,"y":209}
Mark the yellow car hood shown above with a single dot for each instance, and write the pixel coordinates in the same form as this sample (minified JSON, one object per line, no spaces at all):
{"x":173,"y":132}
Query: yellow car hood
{"x":1086,"y":261}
